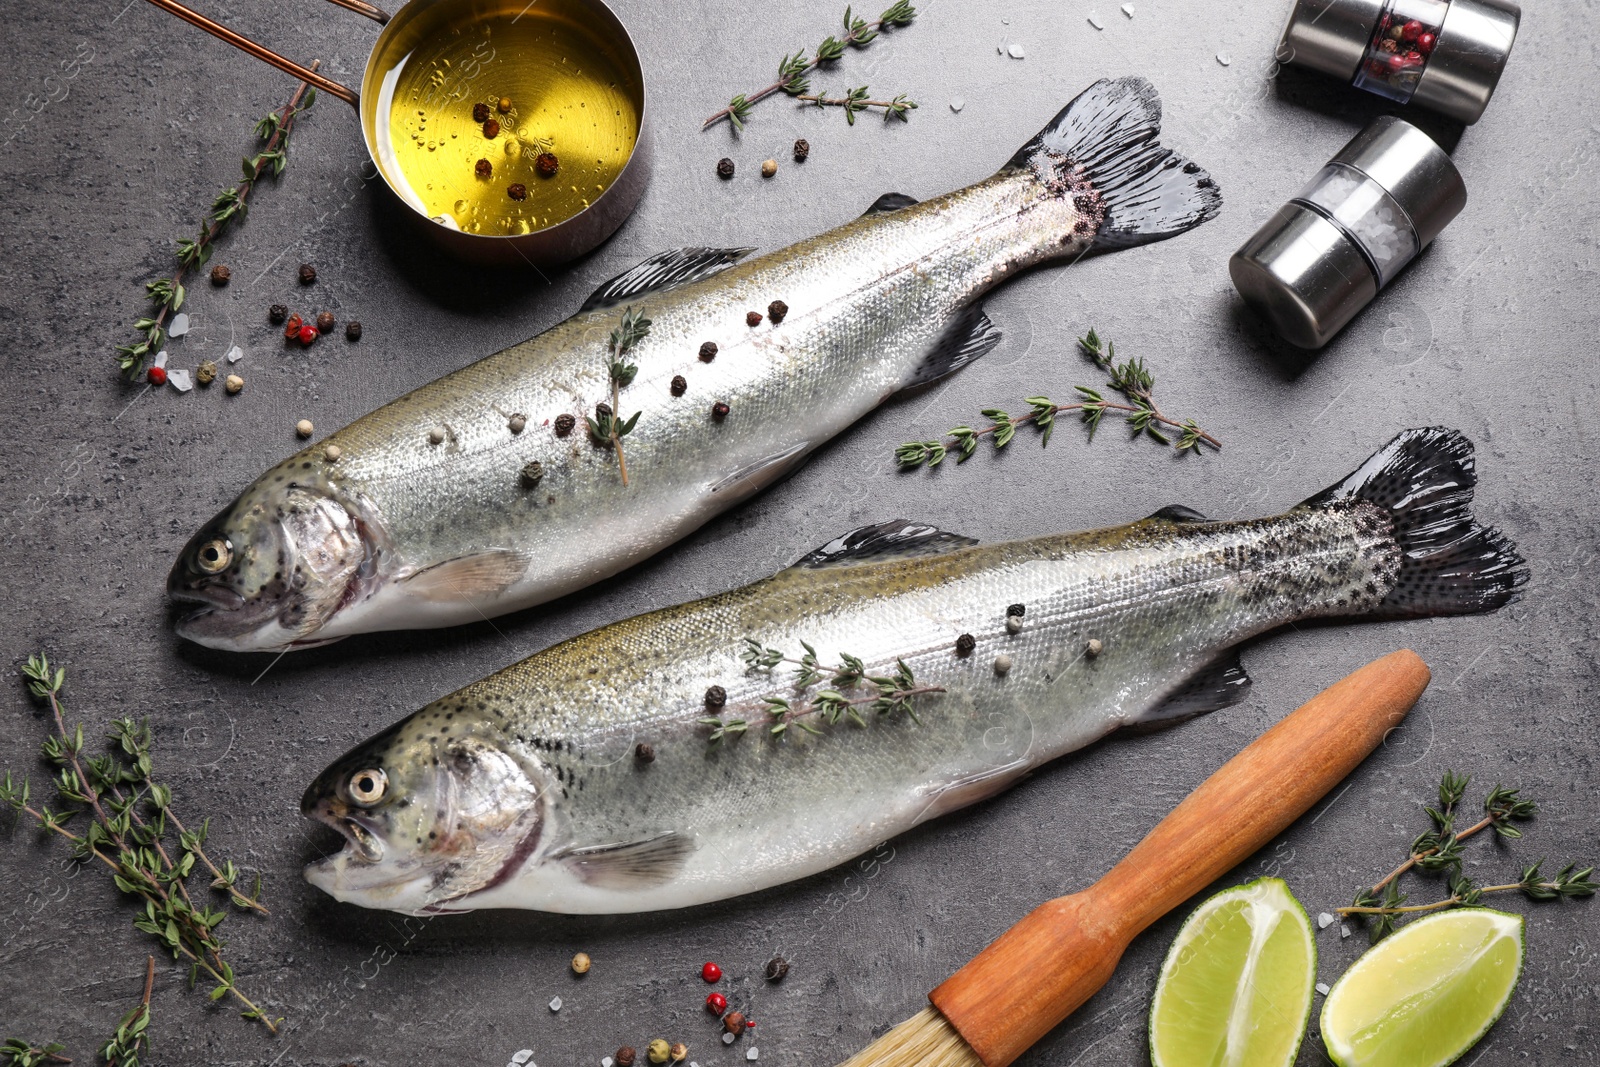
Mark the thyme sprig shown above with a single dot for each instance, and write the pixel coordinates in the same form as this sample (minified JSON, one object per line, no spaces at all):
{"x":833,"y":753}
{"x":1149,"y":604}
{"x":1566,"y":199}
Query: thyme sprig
{"x":167,"y":294}
{"x":1439,"y":849}
{"x":608,"y":426}
{"x":128,"y":1042}
{"x":856,"y":99}
{"x":129,"y":818}
{"x":890,"y":694}
{"x":1131,"y":378}
{"x":792,"y":69}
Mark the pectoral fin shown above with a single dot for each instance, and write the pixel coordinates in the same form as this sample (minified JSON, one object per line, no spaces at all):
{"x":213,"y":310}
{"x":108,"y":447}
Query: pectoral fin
{"x":753,"y":477}
{"x":474,"y":577}
{"x":1220,"y":685}
{"x":970,"y":337}
{"x":970,"y":790}
{"x":630,"y":864}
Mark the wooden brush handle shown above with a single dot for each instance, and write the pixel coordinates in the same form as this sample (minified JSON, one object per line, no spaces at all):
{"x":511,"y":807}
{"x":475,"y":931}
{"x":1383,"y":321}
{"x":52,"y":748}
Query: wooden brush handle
{"x":1040,"y":970}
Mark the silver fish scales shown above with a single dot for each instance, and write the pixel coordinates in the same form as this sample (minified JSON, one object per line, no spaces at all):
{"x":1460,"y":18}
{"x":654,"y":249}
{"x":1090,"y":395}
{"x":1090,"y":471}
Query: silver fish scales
{"x":526,"y":789}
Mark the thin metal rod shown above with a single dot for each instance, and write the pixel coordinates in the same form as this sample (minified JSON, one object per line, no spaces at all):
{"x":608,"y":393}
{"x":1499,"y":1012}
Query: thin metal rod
{"x":266,"y":55}
{"x":376,"y":14}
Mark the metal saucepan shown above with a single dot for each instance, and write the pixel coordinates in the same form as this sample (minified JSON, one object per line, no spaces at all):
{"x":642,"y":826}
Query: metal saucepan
{"x":420,"y":21}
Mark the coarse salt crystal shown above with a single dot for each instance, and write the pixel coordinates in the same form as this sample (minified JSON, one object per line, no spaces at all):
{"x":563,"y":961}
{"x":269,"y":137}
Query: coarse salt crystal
{"x":957,"y":104}
{"x":1324,"y":920}
{"x":1127,"y":9}
{"x":727,"y":1039}
{"x":1322,"y":988}
{"x":1344,"y":931}
{"x":555,"y":1003}
{"x":1224,"y":60}
{"x":181,"y":381}
{"x":523,"y":1057}
{"x":160,"y":360}
{"x":605,"y":1061}
{"x":1096,"y":23}
{"x":1016,"y":51}
{"x":752,"y":1053}
{"x":180,"y":325}
{"x":235,"y":354}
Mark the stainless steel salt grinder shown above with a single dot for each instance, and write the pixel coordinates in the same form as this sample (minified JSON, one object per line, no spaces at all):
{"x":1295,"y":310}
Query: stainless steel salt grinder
{"x":1445,"y":55}
{"x":1328,"y":251}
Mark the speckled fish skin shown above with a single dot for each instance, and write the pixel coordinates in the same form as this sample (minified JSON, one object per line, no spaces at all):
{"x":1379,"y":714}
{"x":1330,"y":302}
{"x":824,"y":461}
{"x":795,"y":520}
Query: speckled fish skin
{"x":597,"y":830}
{"x":399,"y":532}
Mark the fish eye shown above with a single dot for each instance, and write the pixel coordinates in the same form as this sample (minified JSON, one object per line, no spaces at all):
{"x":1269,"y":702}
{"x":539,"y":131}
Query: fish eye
{"x":214,"y":555}
{"x":367,"y":787}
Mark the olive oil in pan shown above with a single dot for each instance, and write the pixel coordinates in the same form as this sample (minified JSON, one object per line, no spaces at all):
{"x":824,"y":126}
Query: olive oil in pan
{"x":541,"y":85}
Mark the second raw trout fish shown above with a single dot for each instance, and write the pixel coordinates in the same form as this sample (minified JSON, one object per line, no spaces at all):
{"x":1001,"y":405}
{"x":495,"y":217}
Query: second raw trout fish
{"x":705,"y":750}
{"x":478,"y":494}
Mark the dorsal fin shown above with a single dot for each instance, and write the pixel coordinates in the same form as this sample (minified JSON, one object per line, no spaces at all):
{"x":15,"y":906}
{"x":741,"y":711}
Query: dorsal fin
{"x":676,"y":266}
{"x":890,"y":202}
{"x":970,"y":336}
{"x":895,"y":539}
{"x":1179,"y":513}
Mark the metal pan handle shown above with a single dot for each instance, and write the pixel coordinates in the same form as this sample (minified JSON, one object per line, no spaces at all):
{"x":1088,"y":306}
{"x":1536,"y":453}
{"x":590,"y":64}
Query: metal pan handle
{"x":267,"y":55}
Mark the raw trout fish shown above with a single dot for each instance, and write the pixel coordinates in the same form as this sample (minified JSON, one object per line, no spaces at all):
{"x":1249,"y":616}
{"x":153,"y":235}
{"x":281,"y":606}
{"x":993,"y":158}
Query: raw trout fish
{"x":431,"y":516}
{"x":600,"y":775}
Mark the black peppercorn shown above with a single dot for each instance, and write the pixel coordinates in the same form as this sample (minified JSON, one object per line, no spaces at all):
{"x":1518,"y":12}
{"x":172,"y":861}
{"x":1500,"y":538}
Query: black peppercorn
{"x":517,"y":191}
{"x":752,"y":318}
{"x":308,"y":274}
{"x":352,"y":331}
{"x":802,"y":149}
{"x":644,"y":752}
{"x":965,"y":644}
{"x":777,"y":966}
{"x":602,"y":410}
{"x":276,"y":314}
{"x":708,"y":352}
{"x":480,"y":112}
{"x":221,"y":275}
{"x":532,"y":471}
{"x":724,"y":168}
{"x":719,"y":411}
{"x":491,"y":128}
{"x":546,"y":164}
{"x":680,"y":385}
{"x":483,"y":168}
{"x":564,"y":424}
{"x":625,"y":1056}
{"x":1018,"y":610}
{"x":716,"y":697}
{"x":776,"y":311}
{"x":325,"y":321}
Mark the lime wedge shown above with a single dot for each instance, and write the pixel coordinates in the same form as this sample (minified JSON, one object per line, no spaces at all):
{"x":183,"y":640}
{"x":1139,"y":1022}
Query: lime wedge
{"x":1235,"y":988}
{"x":1424,"y":995}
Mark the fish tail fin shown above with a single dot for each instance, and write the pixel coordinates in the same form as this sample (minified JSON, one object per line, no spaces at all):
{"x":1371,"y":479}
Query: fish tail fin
{"x":1101,"y":151}
{"x":1449,"y":564}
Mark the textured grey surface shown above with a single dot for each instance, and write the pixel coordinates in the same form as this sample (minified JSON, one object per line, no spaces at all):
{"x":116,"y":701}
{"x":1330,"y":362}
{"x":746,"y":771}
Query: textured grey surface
{"x":107,"y":159}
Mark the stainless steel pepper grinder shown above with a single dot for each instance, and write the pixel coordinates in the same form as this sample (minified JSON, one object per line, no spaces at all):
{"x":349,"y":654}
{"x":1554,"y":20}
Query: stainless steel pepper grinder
{"x":1325,"y":254}
{"x":1445,"y":55}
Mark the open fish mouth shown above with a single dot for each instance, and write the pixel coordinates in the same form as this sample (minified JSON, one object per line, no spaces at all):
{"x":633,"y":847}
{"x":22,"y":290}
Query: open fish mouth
{"x":361,"y":842}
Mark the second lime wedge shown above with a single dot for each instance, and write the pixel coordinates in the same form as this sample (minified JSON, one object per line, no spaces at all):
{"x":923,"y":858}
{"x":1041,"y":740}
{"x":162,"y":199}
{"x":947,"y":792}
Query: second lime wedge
{"x":1424,"y":995}
{"x":1235,"y":988}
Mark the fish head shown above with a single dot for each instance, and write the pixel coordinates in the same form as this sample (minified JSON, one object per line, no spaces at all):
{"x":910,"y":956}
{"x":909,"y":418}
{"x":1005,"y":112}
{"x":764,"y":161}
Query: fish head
{"x":274,"y":567}
{"x":432,"y":810}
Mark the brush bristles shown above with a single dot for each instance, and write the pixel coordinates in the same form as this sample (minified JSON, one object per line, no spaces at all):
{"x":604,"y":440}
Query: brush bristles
{"x":925,"y":1040}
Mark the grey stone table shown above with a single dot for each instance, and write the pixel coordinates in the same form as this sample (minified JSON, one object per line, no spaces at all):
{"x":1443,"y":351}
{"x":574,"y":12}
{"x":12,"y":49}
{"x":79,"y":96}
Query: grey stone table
{"x":119,"y":124}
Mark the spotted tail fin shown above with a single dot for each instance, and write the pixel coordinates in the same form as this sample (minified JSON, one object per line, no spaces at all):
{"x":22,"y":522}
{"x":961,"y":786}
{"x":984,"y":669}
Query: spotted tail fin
{"x":1449,"y":564}
{"x":1102,"y":150}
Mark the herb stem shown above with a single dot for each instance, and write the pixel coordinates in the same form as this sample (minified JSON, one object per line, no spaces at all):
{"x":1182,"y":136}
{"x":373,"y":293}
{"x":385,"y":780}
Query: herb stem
{"x":169,"y":293}
{"x":793,"y":69}
{"x":616,"y":441}
{"x":1417,"y":857}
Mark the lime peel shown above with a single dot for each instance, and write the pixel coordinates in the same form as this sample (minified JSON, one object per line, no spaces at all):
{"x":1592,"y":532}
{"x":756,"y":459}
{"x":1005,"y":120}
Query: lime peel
{"x":1426,"y":994}
{"x":1235,"y":987}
